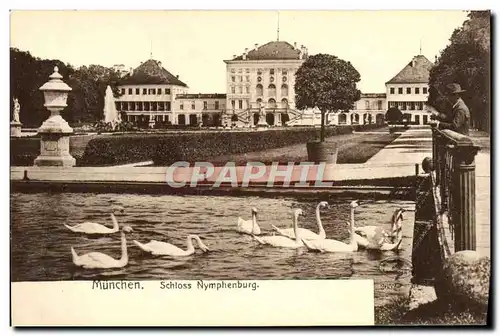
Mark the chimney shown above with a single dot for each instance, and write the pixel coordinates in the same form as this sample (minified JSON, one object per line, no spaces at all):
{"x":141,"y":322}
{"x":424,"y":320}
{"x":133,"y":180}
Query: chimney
{"x":413,"y":62}
{"x":246,"y":50}
{"x":177,"y":76}
{"x":294,"y":45}
{"x":301,"y":54}
{"x":244,"y":56}
{"x":234,"y":56}
{"x":435,"y":59}
{"x":256,"y":45}
{"x":159,"y":63}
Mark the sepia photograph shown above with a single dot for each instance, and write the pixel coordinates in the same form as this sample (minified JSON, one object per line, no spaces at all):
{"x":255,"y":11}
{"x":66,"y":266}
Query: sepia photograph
{"x":340,"y":159}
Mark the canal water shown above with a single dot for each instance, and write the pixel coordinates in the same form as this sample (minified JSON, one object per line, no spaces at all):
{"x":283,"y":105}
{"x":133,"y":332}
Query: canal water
{"x":40,"y":244}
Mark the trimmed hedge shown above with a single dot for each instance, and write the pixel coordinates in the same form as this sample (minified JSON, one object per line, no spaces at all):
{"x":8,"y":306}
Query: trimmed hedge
{"x":166,"y":149}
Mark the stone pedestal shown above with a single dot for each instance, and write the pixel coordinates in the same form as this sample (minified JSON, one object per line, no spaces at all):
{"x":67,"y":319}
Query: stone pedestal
{"x":15,"y":129}
{"x":54,"y":143}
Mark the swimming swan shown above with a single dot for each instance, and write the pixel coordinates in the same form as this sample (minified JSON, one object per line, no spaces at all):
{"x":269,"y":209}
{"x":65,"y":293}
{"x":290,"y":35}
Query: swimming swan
{"x":101,"y":260}
{"x":305,"y":233}
{"x":331,"y":245}
{"x":95,"y":228}
{"x":380,"y":239}
{"x":282,"y":241}
{"x":159,"y":248}
{"x":249,"y":226}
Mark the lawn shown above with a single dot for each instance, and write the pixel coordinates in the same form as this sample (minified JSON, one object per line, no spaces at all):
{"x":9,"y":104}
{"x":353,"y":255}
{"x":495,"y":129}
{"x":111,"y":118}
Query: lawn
{"x":358,"y":147}
{"x":432,"y":313}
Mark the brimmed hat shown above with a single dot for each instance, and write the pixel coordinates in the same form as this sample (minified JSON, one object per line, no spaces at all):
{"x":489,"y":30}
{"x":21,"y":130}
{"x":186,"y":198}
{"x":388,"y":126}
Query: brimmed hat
{"x":453,"y":88}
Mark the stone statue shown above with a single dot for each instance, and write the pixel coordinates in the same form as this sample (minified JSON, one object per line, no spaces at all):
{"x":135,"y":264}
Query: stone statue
{"x":17,"y":108}
{"x":262,"y":113}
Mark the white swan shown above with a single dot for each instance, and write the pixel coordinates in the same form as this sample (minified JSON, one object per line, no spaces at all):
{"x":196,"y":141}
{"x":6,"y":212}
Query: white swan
{"x":101,"y":260}
{"x":249,"y":226}
{"x":305,"y":233}
{"x":95,"y":228}
{"x":159,"y":248}
{"x":380,"y":239}
{"x":331,"y":245}
{"x":282,"y":241}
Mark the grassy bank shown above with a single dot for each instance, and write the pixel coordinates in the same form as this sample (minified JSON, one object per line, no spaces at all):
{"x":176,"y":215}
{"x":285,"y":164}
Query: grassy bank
{"x":353,"y":148}
{"x":432,"y":313}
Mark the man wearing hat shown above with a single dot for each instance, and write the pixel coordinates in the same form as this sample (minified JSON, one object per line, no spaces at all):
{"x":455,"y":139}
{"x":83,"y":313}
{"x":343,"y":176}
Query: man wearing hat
{"x":459,"y":119}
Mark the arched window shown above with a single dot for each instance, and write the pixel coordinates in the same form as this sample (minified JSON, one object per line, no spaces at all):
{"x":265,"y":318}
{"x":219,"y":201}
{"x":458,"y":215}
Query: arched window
{"x":284,"y":103}
{"x":259,"y":90}
{"x":272,"y":90}
{"x":271,"y":103}
{"x":284,"y":90}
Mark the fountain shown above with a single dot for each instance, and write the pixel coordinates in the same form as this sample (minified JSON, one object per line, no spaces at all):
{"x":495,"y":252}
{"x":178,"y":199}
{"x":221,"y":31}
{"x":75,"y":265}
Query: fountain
{"x":110,"y":114}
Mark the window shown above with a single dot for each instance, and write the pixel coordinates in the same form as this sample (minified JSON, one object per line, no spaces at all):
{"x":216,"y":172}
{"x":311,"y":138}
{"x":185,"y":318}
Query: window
{"x":400,"y":90}
{"x":241,"y":89}
{"x":167,"y":106}
{"x":241,"y":78}
{"x":248,"y":78}
{"x":271,"y":79}
{"x":271,"y":71}
{"x":217,"y":105}
{"x":259,"y":90}
{"x":233,"y":89}
{"x":240,"y":70}
{"x":284,"y":90}
{"x":417,"y":90}
{"x":233,"y":104}
{"x":392,"y":90}
{"x":193,"y":106}
{"x":233,"y":79}
{"x":240,"y":104}
{"x":247,"y":70}
{"x":271,"y":103}
{"x":367,"y":104}
{"x":259,"y":79}
{"x":144,"y":91}
{"x":182,"y":106}
{"x":129,"y":91}
{"x":284,"y":79}
{"x":137,"y":91}
{"x":259,"y":72}
{"x":408,"y":90}
{"x":259,"y":101}
{"x":167,"y":91}
{"x":284,"y":72}
{"x":205,"y":105}
{"x":248,"y":89}
{"x":123,"y":91}
{"x":403,"y":106}
{"x":233,"y":70}
{"x":158,"y":91}
{"x":161,"y":106}
{"x":272,"y":90}
{"x":284,"y":102}
{"x":154,"y":106}
{"x":424,"y":90}
{"x":412,"y":105}
{"x":379,"y":105}
{"x":420,"y":106}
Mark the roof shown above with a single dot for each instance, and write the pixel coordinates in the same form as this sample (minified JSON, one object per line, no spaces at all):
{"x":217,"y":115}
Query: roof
{"x":417,"y":71}
{"x":373,"y":95}
{"x":201,"y":95}
{"x":151,"y":72}
{"x":274,"y":50}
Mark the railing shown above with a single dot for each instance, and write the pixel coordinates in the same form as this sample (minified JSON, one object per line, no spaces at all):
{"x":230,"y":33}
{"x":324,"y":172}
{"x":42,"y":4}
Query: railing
{"x":453,"y":157}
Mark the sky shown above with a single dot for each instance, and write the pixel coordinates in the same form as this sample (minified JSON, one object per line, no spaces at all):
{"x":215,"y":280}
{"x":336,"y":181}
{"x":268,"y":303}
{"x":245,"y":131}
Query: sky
{"x":194,"y":44}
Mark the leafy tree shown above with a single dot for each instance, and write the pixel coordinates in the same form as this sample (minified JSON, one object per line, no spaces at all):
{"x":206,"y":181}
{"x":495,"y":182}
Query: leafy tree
{"x":393,"y":115}
{"x":85,"y":101}
{"x":466,"y":61}
{"x":328,"y":83}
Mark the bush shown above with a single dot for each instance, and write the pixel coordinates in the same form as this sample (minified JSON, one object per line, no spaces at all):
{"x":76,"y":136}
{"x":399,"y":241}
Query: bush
{"x":165,"y":149}
{"x":23,"y":151}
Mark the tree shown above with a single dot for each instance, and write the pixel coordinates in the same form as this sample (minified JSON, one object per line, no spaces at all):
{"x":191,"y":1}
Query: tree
{"x":393,"y":115}
{"x":328,"y":83}
{"x":466,"y":61}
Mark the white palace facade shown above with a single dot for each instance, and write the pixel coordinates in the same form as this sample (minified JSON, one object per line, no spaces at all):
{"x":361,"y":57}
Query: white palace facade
{"x":262,"y":79}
